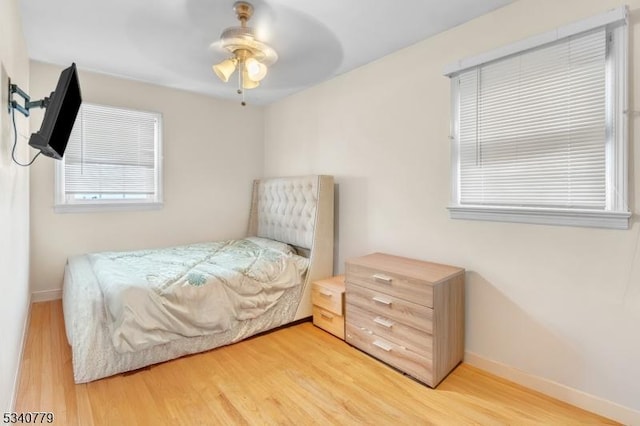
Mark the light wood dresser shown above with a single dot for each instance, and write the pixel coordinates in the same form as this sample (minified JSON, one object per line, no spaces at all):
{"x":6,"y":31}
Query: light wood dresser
{"x":327,"y":297}
{"x":407,"y":313}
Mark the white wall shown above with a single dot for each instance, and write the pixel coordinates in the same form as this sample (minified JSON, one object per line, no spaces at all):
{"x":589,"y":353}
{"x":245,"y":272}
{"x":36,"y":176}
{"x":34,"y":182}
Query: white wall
{"x":14,"y":208}
{"x":559,"y":303}
{"x":212,"y":151}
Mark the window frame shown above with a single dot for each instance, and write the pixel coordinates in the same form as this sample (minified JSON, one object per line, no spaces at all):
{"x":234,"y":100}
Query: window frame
{"x":616,"y":213}
{"x":66,"y":204}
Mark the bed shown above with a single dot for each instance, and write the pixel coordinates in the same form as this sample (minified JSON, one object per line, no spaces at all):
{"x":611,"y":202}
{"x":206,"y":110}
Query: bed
{"x":292,"y":215}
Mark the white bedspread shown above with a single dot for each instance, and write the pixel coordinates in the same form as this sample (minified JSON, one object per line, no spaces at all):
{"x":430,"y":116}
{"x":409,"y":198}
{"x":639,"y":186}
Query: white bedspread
{"x":156,"y":296}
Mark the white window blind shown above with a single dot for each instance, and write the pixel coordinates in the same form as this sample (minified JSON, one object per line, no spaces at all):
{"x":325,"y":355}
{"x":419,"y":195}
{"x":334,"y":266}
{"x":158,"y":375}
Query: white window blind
{"x":112,"y":157}
{"x":533,"y":127}
{"x":539,"y":128}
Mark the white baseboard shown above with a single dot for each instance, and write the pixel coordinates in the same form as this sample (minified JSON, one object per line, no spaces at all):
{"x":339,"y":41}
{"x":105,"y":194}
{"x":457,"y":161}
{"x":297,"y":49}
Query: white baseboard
{"x":16,"y":380}
{"x":556,"y":390}
{"x":46,"y":295}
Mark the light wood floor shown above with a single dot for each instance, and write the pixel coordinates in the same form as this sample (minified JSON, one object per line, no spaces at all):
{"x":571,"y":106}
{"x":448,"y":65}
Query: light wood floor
{"x":298,"y":375}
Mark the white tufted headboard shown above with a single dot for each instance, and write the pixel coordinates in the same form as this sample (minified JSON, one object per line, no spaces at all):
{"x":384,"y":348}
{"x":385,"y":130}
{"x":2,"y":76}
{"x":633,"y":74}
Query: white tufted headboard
{"x":297,"y":211}
{"x":287,"y":209}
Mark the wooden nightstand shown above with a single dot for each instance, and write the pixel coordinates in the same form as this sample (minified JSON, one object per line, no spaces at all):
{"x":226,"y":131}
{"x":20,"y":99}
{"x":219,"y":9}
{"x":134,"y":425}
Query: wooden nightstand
{"x":327,"y":297}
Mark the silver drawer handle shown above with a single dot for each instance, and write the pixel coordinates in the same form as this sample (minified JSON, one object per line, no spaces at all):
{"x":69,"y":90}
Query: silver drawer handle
{"x":383,"y":322}
{"x":326,"y":293}
{"x":382,"y":345}
{"x":381,"y":300}
{"x":383,"y":278}
{"x":326,"y":316}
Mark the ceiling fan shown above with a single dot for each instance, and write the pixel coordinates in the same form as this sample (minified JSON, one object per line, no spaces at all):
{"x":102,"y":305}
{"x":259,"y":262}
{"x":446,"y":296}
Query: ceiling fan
{"x":248,"y":55}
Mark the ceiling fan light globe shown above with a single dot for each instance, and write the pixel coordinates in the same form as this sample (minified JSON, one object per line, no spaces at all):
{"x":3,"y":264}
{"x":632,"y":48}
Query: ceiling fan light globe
{"x":256,"y":70}
{"x":224,"y":69}
{"x":248,"y":82}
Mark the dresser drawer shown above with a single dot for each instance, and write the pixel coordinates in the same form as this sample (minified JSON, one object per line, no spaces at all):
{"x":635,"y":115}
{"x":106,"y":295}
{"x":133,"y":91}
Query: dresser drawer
{"x":397,"y":332}
{"x":329,"y":321}
{"x":409,"y":313}
{"x":391,"y":353}
{"x":420,"y":292}
{"x":327,"y":297}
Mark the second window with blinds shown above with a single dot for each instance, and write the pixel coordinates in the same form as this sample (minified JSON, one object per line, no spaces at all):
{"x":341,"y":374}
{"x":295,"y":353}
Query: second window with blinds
{"x":539,"y":128}
{"x":112,"y":161}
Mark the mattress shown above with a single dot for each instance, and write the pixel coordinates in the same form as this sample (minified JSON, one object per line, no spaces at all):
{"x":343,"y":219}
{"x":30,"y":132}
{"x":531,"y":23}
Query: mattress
{"x":88,"y":320}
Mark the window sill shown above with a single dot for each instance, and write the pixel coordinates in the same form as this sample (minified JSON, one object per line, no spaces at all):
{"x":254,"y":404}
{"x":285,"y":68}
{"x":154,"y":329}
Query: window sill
{"x":566,"y":217}
{"x":105,"y":207}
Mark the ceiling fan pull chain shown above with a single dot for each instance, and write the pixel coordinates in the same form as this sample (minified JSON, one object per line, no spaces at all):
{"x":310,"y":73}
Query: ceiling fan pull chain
{"x":241,"y":82}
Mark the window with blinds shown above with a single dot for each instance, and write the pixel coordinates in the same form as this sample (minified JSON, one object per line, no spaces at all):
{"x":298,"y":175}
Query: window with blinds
{"x":539,"y":133}
{"x":112,"y":160}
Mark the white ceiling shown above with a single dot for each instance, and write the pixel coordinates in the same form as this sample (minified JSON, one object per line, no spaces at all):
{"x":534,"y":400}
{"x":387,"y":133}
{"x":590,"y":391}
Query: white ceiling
{"x":167,"y":42}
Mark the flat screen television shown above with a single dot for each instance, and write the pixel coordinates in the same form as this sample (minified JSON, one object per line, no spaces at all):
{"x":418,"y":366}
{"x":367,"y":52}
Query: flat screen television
{"x":59,"y":115}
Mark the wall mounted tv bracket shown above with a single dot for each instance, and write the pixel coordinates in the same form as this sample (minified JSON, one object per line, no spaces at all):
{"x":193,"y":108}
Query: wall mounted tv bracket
{"x":28,"y":103}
